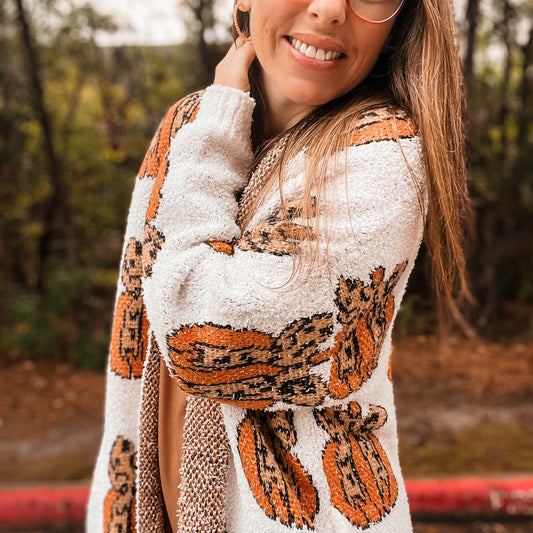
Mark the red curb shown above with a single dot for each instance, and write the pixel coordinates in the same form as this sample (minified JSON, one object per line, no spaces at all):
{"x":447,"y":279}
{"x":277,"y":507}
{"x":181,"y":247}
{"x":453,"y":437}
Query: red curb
{"x":52,"y":506}
{"x":43,"y":507}
{"x":505,"y":497}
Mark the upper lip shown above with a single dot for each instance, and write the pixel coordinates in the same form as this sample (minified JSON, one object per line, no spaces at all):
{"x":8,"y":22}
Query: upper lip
{"x":318,"y":42}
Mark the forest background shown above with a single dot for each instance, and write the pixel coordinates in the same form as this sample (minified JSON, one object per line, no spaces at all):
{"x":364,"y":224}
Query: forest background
{"x":76,"y":118}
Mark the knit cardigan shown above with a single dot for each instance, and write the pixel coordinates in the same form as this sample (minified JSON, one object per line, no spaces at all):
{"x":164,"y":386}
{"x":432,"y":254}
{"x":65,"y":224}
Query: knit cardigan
{"x":290,"y":419}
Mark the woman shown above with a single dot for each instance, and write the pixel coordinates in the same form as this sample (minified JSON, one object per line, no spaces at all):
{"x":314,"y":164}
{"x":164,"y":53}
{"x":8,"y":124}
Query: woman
{"x":268,"y":246}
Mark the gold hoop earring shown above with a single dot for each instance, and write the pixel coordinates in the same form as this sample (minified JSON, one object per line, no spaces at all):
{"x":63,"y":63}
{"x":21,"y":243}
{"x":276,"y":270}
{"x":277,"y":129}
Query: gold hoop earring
{"x":237,"y":27}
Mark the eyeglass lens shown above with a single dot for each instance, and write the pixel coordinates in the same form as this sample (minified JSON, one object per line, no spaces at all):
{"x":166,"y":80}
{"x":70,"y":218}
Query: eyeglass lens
{"x":376,"y":10}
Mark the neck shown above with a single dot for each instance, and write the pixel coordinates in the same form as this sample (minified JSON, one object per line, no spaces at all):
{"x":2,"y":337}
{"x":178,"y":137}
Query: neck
{"x":280,"y":113}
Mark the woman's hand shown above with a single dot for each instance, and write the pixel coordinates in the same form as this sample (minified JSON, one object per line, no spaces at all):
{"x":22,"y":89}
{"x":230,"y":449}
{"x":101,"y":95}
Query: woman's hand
{"x":232,"y":71}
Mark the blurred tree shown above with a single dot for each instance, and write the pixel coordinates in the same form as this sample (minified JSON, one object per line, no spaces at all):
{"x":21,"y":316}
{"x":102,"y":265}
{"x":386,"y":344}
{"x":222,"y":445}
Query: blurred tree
{"x":91,"y":111}
{"x":472,"y":20}
{"x":56,"y":219}
{"x":525,"y":115}
{"x":502,"y":163}
{"x":200,"y":15}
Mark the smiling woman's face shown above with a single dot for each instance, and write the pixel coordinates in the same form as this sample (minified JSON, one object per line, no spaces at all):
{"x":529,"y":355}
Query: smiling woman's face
{"x":311,"y":51}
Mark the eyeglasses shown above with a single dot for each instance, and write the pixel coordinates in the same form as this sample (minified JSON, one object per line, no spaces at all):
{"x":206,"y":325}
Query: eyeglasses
{"x":376,"y":11}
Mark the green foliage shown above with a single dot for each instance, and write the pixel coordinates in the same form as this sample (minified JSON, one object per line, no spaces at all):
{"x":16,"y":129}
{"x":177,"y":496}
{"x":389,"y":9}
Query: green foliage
{"x":481,"y":448}
{"x":413,"y":316}
{"x":502,"y":157}
{"x":68,"y":319}
{"x":104,"y":105}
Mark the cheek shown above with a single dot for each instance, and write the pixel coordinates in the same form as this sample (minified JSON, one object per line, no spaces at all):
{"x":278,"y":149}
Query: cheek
{"x":369,"y":46}
{"x":267,"y":47}
{"x":263,"y":21}
{"x":269,"y":21}
{"x":371,"y":38}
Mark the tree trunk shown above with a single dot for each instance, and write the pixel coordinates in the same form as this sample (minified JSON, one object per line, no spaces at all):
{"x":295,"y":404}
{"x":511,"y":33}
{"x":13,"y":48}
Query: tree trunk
{"x":506,"y":89}
{"x":202,"y":11}
{"x":56,"y":220}
{"x":472,"y":18}
{"x":526,"y":88}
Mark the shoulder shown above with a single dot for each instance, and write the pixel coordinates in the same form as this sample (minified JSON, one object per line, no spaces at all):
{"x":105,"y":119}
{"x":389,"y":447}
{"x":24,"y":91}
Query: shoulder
{"x":385,"y":159}
{"x":382,"y":124}
{"x":182,"y":112}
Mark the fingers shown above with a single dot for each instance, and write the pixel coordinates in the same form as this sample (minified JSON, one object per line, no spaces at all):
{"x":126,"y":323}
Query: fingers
{"x":232,"y":71}
{"x":246,"y":48}
{"x":239,"y":42}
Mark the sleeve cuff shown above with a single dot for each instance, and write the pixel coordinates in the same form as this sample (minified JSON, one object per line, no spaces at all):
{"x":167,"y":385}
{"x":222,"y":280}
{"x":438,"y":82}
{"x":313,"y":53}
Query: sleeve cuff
{"x":227,"y":111}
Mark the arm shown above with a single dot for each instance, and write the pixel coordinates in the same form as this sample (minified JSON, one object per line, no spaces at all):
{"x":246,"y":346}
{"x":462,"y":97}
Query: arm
{"x":225,"y":332}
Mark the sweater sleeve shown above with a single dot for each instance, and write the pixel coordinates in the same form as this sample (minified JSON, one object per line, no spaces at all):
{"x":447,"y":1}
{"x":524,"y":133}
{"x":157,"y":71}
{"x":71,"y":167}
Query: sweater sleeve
{"x":227,"y":324}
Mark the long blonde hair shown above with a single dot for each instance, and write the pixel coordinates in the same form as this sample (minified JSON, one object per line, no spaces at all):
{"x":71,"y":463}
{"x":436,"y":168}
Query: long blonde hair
{"x":419,"y":72}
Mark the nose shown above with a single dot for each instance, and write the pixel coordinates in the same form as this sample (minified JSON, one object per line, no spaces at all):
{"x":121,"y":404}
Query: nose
{"x":328,"y":12}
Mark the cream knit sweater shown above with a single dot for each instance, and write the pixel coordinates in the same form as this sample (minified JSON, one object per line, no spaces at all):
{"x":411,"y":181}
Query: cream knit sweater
{"x":290,"y":421}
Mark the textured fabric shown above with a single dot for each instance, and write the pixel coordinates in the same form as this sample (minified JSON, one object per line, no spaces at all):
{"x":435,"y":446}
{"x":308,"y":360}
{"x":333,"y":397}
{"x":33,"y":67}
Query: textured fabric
{"x":299,"y":373}
{"x":151,"y":513}
{"x":203,"y":469}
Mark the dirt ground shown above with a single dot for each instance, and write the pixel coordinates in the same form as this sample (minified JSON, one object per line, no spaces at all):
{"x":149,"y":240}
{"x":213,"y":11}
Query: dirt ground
{"x":465,"y":406}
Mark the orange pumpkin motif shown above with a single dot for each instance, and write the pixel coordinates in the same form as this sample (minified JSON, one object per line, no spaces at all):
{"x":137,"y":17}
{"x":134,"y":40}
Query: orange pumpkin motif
{"x":222,"y":247}
{"x":251,"y":369}
{"x":365,"y":311}
{"x":361,"y":481}
{"x":153,"y":242}
{"x":129,"y":336}
{"x":278,"y":481}
{"x":156,"y":162}
{"x":280,"y":234}
{"x":119,"y":504}
{"x":383,"y":124}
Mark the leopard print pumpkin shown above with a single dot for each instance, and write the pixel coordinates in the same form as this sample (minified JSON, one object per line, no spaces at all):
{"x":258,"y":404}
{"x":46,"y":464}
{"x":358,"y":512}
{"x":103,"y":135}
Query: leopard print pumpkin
{"x":129,"y":337}
{"x":119,"y":504}
{"x":153,"y":242}
{"x":361,"y":481}
{"x":251,"y":369}
{"x":365,"y":311}
{"x":280,"y":234}
{"x":277,"y":479}
{"x":156,"y":163}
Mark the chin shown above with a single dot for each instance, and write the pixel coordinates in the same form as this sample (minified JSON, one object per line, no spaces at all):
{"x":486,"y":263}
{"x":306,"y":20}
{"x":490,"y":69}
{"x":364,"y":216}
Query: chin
{"x":312,"y":95}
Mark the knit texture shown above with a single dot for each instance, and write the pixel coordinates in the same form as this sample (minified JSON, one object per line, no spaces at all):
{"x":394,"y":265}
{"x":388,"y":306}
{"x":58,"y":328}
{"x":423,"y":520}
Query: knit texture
{"x":203,"y":469}
{"x":151,"y":513}
{"x":290,"y":422}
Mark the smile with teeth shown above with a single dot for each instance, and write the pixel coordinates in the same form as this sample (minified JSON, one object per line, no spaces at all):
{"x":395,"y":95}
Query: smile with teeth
{"x":314,"y":53}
